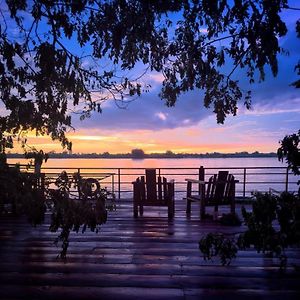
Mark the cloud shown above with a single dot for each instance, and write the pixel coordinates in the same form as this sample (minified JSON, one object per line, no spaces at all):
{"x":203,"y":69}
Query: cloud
{"x":155,"y":77}
{"x":276,"y":90}
{"x":145,"y":111}
{"x":273,"y":96}
{"x":276,"y":106}
{"x":161,"y":116}
{"x":92,"y":138}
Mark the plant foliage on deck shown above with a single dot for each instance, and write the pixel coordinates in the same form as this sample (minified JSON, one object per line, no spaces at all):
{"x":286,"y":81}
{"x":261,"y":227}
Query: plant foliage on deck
{"x":23,"y":193}
{"x":272,"y":227}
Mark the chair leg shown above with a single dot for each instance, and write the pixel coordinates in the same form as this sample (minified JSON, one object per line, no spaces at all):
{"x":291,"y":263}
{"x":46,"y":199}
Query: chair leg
{"x":135,"y":209}
{"x":136,"y":199}
{"x":141,"y":209}
{"x":232,"y":199}
{"x":216,"y":208}
{"x":202,"y":209}
{"x":232,"y":206}
{"x":171,"y":209}
{"x":188,"y":195}
{"x":188,"y":207}
{"x":216,"y":212}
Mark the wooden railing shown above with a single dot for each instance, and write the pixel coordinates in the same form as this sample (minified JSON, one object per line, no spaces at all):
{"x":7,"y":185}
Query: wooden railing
{"x":119,"y":180}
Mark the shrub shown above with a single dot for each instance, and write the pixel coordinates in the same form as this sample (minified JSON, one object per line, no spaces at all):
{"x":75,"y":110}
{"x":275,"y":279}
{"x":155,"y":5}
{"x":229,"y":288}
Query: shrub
{"x":24,"y":193}
{"x":272,"y":226}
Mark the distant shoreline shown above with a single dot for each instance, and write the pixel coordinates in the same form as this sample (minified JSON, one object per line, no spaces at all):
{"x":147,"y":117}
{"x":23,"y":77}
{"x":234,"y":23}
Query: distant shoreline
{"x":151,"y":156}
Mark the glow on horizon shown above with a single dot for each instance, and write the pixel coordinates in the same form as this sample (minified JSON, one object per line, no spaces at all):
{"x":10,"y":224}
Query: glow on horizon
{"x":126,"y":146}
{"x":199,"y":138}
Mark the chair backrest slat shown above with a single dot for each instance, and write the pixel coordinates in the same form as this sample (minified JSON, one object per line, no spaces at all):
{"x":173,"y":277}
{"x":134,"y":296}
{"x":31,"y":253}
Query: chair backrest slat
{"x":217,"y":188}
{"x":228,"y":187}
{"x":151,"y":184}
{"x":159,"y":188}
{"x":211,"y":187}
{"x":142,"y":188}
{"x":221,"y":184}
{"x":165,"y":188}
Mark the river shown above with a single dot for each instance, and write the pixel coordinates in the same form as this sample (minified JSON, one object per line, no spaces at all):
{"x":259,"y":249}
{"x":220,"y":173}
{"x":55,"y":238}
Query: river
{"x":158,"y":163}
{"x":256,"y":179}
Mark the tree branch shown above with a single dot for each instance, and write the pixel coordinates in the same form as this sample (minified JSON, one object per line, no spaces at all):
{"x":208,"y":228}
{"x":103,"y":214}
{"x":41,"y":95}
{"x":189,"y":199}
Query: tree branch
{"x":238,"y":63}
{"x":220,"y":39}
{"x":291,"y":8}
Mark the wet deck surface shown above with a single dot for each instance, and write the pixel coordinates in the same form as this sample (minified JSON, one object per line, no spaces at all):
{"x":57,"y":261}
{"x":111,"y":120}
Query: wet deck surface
{"x":144,"y":258}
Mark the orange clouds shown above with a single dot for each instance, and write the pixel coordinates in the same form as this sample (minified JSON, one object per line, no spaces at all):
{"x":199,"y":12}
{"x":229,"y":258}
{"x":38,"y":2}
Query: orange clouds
{"x":199,"y":138}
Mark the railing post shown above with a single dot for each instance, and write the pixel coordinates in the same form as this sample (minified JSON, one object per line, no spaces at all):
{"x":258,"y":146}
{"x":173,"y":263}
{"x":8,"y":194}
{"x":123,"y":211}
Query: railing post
{"x":119,"y":183}
{"x":244,"y":184}
{"x":158,"y":171}
{"x":78,"y":170}
{"x":113,"y":184}
{"x":202,"y":178}
{"x":287,"y":179}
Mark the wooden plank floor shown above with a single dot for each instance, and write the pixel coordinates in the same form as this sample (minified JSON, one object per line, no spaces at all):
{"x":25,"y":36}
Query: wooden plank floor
{"x":144,"y":258}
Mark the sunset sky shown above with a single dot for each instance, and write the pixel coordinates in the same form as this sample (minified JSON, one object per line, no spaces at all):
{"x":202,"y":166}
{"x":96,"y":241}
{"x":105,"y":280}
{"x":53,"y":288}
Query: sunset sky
{"x":188,"y":127}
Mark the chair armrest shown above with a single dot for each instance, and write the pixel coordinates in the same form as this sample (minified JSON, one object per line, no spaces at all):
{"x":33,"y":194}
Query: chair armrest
{"x":194,"y":181}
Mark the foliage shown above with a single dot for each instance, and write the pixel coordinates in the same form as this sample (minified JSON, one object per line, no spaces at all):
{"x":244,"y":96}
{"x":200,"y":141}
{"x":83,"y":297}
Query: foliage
{"x":290,"y":150}
{"x":38,"y":158}
{"x":218,"y":245}
{"x":75,"y":214}
{"x":272,"y":226}
{"x":23,"y":193}
{"x":45,"y":78}
{"x":137,"y":153}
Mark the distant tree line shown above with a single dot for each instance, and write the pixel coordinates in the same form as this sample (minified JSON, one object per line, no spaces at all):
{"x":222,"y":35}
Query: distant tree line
{"x":140,"y":154}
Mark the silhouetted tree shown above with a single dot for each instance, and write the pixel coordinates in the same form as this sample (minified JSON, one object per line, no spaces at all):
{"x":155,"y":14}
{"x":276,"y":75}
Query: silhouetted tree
{"x":169,"y":153}
{"x":51,"y":54}
{"x":290,"y":151}
{"x":137,"y":153}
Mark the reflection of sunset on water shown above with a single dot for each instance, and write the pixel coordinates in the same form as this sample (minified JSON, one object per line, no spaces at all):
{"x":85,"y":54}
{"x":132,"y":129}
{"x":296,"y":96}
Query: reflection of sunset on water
{"x":130,"y":169}
{"x":155,"y":163}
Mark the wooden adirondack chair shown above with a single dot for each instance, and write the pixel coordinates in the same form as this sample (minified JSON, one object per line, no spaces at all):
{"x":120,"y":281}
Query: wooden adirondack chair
{"x":153,"y":192}
{"x":219,"y":190}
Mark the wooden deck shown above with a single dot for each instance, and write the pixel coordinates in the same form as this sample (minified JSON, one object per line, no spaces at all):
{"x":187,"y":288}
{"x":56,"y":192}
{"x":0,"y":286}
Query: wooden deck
{"x":144,"y":258}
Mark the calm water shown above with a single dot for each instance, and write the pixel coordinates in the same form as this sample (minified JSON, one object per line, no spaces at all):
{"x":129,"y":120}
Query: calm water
{"x":159,"y":163}
{"x":258,"y":179}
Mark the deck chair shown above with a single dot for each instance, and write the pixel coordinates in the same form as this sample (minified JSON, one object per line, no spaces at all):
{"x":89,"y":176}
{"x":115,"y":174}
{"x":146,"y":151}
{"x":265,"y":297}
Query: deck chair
{"x":153,"y":191}
{"x":219,"y":190}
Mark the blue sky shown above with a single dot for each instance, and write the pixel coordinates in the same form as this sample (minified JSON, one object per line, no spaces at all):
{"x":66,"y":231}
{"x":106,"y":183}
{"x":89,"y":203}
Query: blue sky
{"x":189,"y":127}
